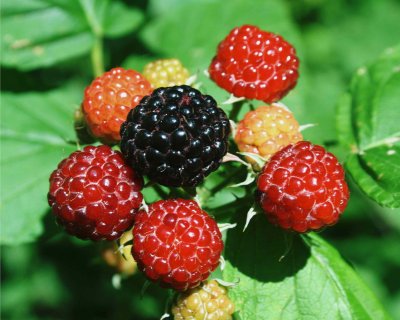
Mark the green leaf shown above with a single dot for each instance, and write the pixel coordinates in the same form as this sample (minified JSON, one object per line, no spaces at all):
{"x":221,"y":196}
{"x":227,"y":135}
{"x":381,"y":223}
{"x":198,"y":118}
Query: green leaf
{"x":121,"y":20}
{"x":225,"y":196}
{"x":329,"y":66}
{"x":368,"y":182}
{"x":367,"y":121}
{"x":159,"y":7}
{"x":41,"y":33}
{"x":283,"y":277}
{"x":391,"y":218}
{"x":35,"y":130}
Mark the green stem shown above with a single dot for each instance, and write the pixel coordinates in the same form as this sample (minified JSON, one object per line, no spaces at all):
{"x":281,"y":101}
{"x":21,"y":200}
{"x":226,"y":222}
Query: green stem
{"x":190,"y":191}
{"x":177,"y":193}
{"x":97,"y":49}
{"x":203,"y":193}
{"x":97,"y":57}
{"x":234,"y":112}
{"x":236,"y":106}
{"x":226,"y":182}
{"x":160,"y":191}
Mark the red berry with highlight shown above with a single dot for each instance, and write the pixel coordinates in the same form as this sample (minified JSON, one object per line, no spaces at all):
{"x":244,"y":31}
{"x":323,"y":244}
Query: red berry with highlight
{"x":176,"y":243}
{"x":255,"y":64}
{"x":94,"y":194}
{"x":302,"y":188}
{"x":108,"y":100}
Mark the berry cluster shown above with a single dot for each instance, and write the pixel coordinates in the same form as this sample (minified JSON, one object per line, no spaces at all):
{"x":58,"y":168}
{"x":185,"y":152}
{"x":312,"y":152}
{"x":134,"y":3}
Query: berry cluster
{"x":176,"y":136}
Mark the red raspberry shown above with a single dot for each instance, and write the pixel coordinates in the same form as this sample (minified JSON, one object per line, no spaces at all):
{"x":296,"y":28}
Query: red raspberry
{"x":302,"y":188}
{"x":108,"y":100}
{"x":176,"y":243}
{"x":255,"y":64}
{"x":94,"y":194}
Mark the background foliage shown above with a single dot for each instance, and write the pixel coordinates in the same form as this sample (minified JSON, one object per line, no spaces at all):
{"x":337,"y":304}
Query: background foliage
{"x":47,"y":51}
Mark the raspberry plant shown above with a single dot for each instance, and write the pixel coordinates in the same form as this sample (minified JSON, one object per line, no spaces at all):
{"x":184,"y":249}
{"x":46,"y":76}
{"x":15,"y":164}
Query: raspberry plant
{"x":260,"y":269}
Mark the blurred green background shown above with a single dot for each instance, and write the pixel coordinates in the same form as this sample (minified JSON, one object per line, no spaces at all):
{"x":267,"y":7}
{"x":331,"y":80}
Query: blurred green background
{"x":57,"y":277}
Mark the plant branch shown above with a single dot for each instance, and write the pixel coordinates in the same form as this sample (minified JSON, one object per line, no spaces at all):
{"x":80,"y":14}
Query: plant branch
{"x":226,"y":182}
{"x":160,"y":191}
{"x":236,"y":106}
{"x":97,"y":57}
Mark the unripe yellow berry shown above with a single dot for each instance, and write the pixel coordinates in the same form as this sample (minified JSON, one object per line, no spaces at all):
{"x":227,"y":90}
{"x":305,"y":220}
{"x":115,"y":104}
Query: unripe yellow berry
{"x":121,"y":260}
{"x":166,"y":73}
{"x":267,"y":130}
{"x":206,"y":302}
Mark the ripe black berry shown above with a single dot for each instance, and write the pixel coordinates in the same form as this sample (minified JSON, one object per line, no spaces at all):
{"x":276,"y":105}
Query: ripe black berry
{"x":176,"y":136}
